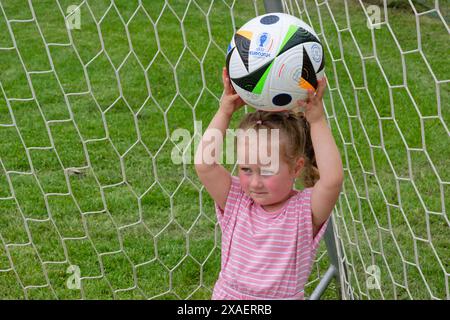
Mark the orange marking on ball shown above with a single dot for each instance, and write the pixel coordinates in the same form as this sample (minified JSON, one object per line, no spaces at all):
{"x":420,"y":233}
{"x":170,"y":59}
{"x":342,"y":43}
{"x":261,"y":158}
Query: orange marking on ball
{"x":305,"y":85}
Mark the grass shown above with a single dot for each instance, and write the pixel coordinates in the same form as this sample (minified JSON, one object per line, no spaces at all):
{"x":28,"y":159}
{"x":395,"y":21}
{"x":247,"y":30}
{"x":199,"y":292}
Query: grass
{"x":86,"y":176}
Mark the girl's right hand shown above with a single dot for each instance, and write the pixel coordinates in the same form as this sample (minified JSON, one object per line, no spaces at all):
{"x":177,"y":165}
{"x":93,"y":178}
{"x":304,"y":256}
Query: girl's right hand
{"x":230,"y":100}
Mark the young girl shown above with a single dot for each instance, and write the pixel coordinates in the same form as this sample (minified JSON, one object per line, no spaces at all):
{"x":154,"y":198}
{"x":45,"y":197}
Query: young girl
{"x":270,"y":232}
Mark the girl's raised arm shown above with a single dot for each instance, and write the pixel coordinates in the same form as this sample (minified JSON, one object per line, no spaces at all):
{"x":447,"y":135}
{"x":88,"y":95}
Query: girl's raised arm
{"x":326,"y":191}
{"x":215,"y":178}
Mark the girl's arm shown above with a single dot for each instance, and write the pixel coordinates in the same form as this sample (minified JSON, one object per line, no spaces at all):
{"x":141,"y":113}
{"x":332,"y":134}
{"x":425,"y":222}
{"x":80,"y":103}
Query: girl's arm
{"x":215,"y":178}
{"x":326,"y":191}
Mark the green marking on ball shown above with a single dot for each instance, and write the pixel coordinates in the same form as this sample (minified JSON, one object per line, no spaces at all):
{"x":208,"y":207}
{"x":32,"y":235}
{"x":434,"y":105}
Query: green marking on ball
{"x":291,"y":31}
{"x":260,"y":85}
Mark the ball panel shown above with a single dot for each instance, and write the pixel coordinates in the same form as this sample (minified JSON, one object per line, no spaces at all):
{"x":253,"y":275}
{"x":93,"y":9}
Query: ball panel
{"x":315,"y":53}
{"x":308,"y":72}
{"x":262,"y":48}
{"x":266,"y":39}
{"x":290,"y":32}
{"x":255,"y":79}
{"x":298,"y":22}
{"x":262,"y":82}
{"x":288,"y":70}
{"x":252,"y":99}
{"x":322,"y":65}
{"x":299,"y":36}
{"x":242,"y":40}
{"x":235,"y":66}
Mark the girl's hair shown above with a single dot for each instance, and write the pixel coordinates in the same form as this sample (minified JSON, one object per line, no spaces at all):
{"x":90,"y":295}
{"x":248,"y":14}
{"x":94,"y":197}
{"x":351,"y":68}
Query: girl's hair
{"x":297,"y":134}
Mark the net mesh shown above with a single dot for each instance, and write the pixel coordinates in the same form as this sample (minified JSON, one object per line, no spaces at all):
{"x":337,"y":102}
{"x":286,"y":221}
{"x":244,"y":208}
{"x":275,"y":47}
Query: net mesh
{"x":91,"y":92}
{"x":388,"y":108}
{"x":91,"y":203}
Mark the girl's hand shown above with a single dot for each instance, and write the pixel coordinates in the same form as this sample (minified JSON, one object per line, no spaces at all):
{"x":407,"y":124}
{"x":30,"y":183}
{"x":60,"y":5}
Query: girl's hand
{"x":230,"y":100}
{"x":313,"y":105}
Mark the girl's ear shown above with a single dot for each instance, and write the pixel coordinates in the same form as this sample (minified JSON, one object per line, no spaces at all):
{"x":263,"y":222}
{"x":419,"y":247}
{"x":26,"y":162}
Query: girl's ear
{"x":299,"y":166}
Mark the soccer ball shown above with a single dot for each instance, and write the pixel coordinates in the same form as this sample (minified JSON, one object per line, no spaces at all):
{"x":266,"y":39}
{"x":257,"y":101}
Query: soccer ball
{"x":273,"y":60}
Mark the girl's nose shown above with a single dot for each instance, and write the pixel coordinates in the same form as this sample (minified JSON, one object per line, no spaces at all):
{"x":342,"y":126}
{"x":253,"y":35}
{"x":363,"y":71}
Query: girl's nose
{"x":256,"y":182}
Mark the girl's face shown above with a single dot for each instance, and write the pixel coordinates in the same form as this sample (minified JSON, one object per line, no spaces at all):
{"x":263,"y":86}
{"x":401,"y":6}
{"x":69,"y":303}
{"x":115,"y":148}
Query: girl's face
{"x":264,"y":184}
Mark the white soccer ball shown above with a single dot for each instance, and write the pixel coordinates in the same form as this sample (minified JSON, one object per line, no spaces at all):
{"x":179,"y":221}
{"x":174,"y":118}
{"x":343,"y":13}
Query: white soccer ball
{"x":273,"y":60}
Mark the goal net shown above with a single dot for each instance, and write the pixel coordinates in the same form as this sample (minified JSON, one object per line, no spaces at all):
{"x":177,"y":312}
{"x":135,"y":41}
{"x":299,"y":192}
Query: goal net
{"x":388,"y":107}
{"x":95,"y":94}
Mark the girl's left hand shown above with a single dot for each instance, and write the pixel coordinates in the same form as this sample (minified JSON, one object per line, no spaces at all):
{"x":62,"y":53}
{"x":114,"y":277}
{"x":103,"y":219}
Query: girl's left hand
{"x":230,"y":100}
{"x":313,"y":105}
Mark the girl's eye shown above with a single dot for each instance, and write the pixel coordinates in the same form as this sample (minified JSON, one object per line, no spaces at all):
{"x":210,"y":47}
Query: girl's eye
{"x":246,"y":170}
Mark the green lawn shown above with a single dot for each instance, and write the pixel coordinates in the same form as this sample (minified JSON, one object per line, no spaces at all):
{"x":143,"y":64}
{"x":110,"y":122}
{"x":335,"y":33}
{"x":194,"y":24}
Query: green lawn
{"x":86,"y":176}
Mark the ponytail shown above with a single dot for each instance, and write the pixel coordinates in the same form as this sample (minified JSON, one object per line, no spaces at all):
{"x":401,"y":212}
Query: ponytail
{"x":310,"y":174}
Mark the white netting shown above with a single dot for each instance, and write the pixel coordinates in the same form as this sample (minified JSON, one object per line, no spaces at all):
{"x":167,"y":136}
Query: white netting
{"x":87,"y":185}
{"x":91,"y":204}
{"x":388,"y":106}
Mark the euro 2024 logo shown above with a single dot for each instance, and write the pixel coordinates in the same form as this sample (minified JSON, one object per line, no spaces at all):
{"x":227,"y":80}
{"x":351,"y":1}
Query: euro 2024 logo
{"x":262,"y":41}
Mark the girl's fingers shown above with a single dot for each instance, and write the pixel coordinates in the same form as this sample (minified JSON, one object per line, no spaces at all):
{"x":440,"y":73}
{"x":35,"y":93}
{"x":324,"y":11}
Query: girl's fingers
{"x":226,"y":81}
{"x":311,"y":95}
{"x":224,"y":75}
{"x":236,"y":97}
{"x":301,"y":103}
{"x":321,"y":88}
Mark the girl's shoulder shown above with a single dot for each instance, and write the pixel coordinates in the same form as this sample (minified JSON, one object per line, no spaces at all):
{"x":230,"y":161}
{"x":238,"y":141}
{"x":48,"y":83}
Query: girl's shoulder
{"x":236,"y":192}
{"x":304,"y":194}
{"x":302,"y":202}
{"x":236,"y":184}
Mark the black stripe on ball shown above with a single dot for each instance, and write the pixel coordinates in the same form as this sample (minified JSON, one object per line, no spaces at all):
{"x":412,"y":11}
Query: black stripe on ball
{"x":250,"y":81}
{"x":300,"y":36}
{"x":242,"y":46}
{"x":308,"y":72}
{"x":322,"y":64}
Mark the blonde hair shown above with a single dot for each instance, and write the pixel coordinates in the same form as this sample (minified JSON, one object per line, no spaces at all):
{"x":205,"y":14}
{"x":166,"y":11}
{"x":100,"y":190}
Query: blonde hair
{"x":297,"y":133}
